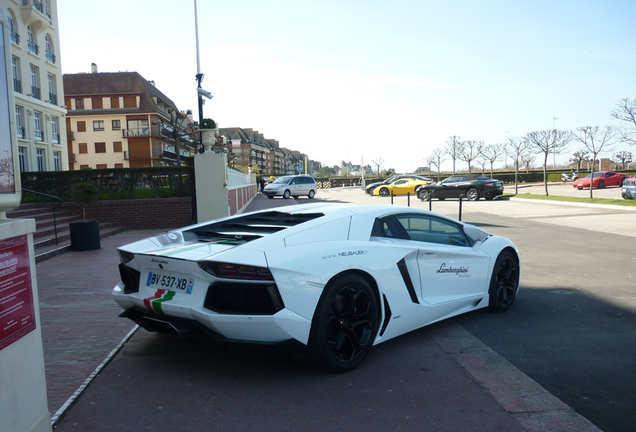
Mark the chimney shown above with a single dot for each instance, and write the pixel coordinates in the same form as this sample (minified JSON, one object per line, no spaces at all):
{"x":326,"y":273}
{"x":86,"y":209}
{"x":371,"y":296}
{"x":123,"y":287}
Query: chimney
{"x":93,"y":68}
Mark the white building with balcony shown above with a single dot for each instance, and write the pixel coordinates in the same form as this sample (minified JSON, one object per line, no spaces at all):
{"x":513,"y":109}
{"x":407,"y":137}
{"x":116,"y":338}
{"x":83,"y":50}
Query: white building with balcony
{"x":37,"y":84}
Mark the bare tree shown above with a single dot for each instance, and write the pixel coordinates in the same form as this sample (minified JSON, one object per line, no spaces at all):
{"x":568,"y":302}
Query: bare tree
{"x":492,"y":152}
{"x":437,"y":157}
{"x":378,"y":163}
{"x":595,"y":139}
{"x":518,"y":148}
{"x":528,"y":158}
{"x":622,"y":157}
{"x":454,"y":148}
{"x":549,"y":142}
{"x":471,"y":151}
{"x":578,"y":157}
{"x":626,"y":111}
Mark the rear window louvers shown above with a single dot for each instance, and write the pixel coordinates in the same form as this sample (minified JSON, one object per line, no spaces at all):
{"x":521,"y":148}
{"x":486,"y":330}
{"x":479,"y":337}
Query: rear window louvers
{"x":247,"y":228}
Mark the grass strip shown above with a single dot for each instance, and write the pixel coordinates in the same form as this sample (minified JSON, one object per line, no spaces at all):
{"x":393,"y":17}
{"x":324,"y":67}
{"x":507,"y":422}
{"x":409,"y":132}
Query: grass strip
{"x":618,"y":202}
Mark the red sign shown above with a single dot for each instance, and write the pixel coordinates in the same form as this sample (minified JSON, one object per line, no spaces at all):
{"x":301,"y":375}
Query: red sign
{"x":17,"y":313}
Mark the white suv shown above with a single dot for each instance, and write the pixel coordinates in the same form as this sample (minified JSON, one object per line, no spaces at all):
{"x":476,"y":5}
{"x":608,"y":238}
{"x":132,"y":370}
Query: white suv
{"x":292,"y":185}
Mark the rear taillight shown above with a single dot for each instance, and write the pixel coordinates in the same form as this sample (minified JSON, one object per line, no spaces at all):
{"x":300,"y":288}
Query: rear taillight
{"x":236,"y":271}
{"x":489,"y":185}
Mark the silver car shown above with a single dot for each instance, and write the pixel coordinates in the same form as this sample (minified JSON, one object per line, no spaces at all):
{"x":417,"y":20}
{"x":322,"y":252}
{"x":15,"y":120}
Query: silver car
{"x":629,"y":188}
{"x":292,"y":185}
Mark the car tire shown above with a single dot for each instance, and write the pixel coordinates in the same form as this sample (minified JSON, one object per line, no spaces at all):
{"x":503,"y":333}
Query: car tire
{"x":286,"y":194}
{"x":384,"y":192}
{"x":504,"y":282}
{"x":312,"y":194}
{"x":424,"y":195}
{"x":601,"y":184}
{"x":344,"y":324}
{"x":472,"y":194}
{"x":270,"y":196}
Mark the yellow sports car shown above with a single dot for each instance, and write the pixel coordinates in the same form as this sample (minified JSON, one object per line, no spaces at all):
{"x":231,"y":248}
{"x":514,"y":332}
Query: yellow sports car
{"x":401,"y":187}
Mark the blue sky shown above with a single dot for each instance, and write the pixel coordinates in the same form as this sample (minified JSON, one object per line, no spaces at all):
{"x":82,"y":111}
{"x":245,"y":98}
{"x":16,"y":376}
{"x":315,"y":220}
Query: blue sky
{"x":366,"y":80}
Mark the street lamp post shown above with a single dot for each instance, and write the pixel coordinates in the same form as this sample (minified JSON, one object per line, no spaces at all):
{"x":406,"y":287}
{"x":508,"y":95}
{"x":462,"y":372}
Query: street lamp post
{"x":554,"y":119}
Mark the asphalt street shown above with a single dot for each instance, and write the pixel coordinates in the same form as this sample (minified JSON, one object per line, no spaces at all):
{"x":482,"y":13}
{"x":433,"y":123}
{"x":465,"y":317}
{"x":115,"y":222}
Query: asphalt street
{"x":572,"y":327}
{"x":571,"y":330}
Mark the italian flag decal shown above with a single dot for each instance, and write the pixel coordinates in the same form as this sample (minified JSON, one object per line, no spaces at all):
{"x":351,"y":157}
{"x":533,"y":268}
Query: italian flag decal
{"x":153,"y":304}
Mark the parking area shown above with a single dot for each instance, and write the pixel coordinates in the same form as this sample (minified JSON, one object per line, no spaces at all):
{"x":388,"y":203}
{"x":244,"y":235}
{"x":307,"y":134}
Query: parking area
{"x":570,"y":330}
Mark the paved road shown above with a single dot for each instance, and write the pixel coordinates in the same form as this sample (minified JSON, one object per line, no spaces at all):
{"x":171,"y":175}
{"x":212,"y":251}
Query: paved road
{"x":573,"y":326}
{"x":571,"y":330}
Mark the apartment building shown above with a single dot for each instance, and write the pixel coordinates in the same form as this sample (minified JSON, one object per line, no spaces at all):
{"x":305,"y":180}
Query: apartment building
{"x":37,"y":84}
{"x":253,"y":151}
{"x":121,"y":120}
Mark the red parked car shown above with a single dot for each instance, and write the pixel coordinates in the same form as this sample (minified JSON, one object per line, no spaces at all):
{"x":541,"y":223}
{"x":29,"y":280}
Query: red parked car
{"x":601,"y":179}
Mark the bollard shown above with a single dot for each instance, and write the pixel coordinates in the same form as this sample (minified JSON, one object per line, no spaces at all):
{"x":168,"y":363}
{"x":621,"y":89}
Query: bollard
{"x":408,"y":199}
{"x":430,"y":202}
{"x":460,"y":207}
{"x":391,"y":197}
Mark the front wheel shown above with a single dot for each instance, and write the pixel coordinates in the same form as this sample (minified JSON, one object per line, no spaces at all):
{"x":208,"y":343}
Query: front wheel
{"x":472,"y":194}
{"x":344,"y":325}
{"x":384,"y":192}
{"x":601,"y":184}
{"x":425,"y":195}
{"x":504,"y":282}
{"x":286,"y":194}
{"x":312,"y":194}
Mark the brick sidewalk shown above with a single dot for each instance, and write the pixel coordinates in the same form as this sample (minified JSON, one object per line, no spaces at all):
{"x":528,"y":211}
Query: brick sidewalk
{"x":80,"y":326}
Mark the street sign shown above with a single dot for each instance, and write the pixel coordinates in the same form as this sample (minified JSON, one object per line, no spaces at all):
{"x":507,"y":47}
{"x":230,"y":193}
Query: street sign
{"x":300,"y":169}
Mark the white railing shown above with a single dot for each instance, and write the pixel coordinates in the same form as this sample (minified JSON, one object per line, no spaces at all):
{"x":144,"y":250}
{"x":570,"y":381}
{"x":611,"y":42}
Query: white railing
{"x":237,"y":178}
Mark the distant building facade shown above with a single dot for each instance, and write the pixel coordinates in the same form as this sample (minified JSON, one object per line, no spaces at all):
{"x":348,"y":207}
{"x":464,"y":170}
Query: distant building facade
{"x":37,"y":84}
{"x":252,"y":151}
{"x":121,"y":120}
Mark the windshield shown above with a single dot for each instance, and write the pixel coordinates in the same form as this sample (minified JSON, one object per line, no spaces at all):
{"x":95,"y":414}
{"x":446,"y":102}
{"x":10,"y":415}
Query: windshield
{"x":282,"y":180}
{"x":598,"y":174}
{"x":391,"y":179}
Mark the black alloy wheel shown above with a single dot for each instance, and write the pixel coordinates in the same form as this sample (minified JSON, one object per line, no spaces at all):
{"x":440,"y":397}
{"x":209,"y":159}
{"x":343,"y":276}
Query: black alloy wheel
{"x":504,"y":282}
{"x":601,"y":184}
{"x":344,"y":325}
{"x":472,"y":194}
{"x":384,"y":192}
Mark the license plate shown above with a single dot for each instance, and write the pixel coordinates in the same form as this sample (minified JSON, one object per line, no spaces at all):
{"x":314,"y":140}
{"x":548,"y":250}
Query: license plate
{"x":177,"y":284}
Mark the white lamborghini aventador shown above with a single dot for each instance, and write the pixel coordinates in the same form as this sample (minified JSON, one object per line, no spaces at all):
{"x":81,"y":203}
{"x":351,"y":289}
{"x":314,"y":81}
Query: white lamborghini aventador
{"x":336,"y":279}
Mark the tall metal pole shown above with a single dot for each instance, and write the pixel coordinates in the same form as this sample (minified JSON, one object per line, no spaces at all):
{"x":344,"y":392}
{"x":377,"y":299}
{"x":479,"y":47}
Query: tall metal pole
{"x":199,"y":78}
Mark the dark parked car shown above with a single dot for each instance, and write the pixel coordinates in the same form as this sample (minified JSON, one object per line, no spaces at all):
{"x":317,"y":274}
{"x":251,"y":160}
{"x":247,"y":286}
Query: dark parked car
{"x":471,"y":186}
{"x":370,"y":187}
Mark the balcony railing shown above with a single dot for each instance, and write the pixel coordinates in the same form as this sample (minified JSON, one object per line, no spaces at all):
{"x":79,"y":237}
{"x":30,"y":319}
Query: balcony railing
{"x":17,"y":85}
{"x":50,"y":57}
{"x":35,"y":92}
{"x":33,"y":47}
{"x":53,"y":98}
{"x":15,"y":38}
{"x":38,"y":6}
{"x":20,"y":131}
{"x":141,"y":132}
{"x":38,"y":135}
{"x":55,"y":137}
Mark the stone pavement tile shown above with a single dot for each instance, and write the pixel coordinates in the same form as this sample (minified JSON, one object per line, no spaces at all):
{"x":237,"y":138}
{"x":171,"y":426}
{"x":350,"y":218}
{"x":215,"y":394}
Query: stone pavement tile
{"x":80,"y":323}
